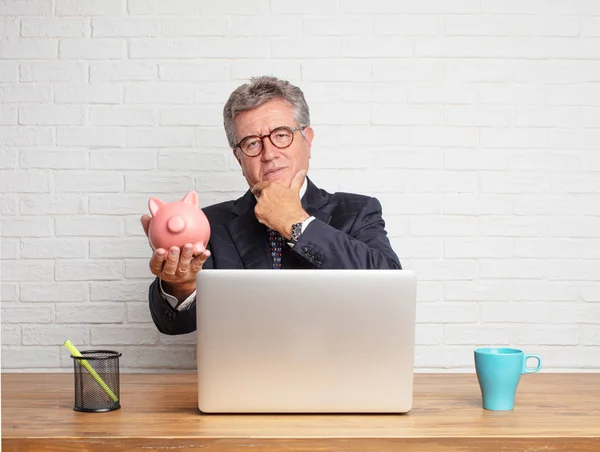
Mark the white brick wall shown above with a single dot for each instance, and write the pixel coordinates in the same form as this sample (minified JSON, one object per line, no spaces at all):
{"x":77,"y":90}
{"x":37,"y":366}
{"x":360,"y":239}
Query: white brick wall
{"x":475,"y":122}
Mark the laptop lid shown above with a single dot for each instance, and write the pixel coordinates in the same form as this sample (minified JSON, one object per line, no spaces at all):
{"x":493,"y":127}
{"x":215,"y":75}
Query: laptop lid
{"x":305,"y":341}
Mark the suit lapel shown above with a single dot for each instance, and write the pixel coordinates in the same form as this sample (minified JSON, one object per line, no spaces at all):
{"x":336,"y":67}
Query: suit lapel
{"x":248,"y":235}
{"x":313,"y":200}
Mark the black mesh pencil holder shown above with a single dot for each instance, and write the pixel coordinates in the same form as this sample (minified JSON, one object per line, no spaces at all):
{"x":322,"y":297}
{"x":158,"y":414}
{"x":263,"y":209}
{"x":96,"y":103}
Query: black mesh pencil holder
{"x":96,"y":381}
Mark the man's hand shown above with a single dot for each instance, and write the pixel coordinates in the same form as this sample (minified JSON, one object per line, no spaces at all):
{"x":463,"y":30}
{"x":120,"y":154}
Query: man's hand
{"x":278,"y":206}
{"x":177,"y":268}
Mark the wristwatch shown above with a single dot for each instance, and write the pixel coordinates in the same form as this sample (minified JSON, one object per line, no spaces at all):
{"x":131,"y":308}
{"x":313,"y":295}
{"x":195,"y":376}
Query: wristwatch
{"x":296,"y":233}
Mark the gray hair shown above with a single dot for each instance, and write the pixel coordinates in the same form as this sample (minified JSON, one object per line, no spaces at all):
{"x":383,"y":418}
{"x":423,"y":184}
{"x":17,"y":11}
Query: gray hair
{"x":259,"y":91}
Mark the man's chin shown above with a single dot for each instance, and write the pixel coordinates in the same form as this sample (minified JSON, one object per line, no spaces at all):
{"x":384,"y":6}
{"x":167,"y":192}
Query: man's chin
{"x":281,"y":177}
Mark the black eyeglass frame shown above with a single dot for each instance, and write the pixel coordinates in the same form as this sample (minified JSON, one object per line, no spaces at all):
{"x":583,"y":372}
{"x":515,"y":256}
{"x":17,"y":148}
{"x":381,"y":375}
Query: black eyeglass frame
{"x":261,"y":138}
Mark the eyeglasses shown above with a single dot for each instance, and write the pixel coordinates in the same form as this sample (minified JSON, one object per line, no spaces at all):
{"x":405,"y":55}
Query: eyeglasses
{"x":281,"y":138}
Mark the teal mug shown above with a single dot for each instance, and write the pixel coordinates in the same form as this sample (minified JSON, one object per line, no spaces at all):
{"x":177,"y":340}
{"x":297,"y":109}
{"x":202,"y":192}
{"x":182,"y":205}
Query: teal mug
{"x":498,"y":372}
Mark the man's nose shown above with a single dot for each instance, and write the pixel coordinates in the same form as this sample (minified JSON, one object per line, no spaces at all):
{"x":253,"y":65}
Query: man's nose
{"x":269,"y":150}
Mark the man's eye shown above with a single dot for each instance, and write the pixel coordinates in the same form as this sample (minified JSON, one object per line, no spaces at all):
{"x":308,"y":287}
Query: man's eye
{"x":253,"y":144}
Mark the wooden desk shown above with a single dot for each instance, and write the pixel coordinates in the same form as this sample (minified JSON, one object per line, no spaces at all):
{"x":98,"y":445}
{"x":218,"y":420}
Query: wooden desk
{"x":553,"y":412}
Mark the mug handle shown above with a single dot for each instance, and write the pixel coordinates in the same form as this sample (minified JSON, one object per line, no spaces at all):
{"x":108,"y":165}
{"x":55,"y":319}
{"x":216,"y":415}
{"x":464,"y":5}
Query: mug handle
{"x":528,"y":370}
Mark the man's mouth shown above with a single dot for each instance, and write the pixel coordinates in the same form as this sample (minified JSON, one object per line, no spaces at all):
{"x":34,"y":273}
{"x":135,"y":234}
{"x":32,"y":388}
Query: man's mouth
{"x":273,"y":172}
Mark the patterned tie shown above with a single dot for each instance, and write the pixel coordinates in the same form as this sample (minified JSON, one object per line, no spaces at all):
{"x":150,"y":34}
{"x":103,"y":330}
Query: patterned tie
{"x":276,"y":243}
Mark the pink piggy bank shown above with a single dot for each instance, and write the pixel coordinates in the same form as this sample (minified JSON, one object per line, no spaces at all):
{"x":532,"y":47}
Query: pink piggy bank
{"x":177,"y":223}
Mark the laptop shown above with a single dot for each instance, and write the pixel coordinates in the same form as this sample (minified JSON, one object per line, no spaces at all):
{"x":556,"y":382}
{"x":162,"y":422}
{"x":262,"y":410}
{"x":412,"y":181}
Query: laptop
{"x":305,"y":341}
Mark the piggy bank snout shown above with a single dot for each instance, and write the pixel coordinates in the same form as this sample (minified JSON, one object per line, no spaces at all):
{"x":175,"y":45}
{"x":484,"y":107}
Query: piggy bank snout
{"x":176,"y":224}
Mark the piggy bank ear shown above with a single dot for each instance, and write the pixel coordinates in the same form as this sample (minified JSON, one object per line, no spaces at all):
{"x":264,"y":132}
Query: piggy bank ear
{"x":154,"y":204}
{"x":191,"y":198}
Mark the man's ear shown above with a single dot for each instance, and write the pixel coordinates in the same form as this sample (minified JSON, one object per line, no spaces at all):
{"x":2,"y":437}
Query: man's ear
{"x":309,"y":135}
{"x":239,"y":160}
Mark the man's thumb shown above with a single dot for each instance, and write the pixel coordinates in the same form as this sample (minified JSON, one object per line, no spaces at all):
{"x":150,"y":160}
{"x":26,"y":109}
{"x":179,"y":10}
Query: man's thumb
{"x":298,"y":180}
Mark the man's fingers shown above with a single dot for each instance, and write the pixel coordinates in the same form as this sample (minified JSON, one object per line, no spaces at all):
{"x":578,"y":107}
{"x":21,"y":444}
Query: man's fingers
{"x":146,"y":223}
{"x":157,"y":260}
{"x":298,"y":180}
{"x":172,"y":261}
{"x":185,"y":259}
{"x":258,"y":188}
{"x":198,"y":261}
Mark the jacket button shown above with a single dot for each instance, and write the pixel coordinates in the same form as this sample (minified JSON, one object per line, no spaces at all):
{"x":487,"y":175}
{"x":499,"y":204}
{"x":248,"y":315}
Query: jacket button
{"x":168,"y":315}
{"x":304,"y":249}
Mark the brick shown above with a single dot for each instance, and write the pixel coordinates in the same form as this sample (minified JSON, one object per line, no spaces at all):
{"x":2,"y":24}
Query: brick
{"x":8,"y":115}
{"x":54,"y":335}
{"x":410,"y":204}
{"x":53,"y":248}
{"x":93,"y":93}
{"x":208,"y":47}
{"x":163,"y":136}
{"x":92,"y":49}
{"x":8,"y":204}
{"x":341,"y":114}
{"x":415,"y":247}
{"x":11,"y":335}
{"x":569,"y":117}
{"x":223,"y":181}
{"x":577,"y":270}
{"x":29,"y":357}
{"x":382,"y":7}
{"x":547,"y":248}
{"x":58,"y":292}
{"x":428,"y":334}
{"x":468,"y":159}
{"x":25,"y":136}
{"x":25,"y":8}
{"x":119,"y":248}
{"x":477,"y":291}
{"x":119,"y":204}
{"x":477,"y":334}
{"x":139,"y":268}
{"x":123,"y":116}
{"x":137,"y":312}
{"x":158,"y":184}
{"x":378,"y":47}
{"x":124,"y":28}
{"x":570,"y":139}
{"x":24,"y":93}
{"x":478,"y":247}
{"x":85,"y":226}
{"x":193,"y":71}
{"x":409,"y":25}
{"x":53,"y":28}
{"x":159,"y":93}
{"x":27,"y":227}
{"x":26,"y":271}
{"x":9,"y":248}
{"x":405,"y":114}
{"x":512,"y":226}
{"x":198,"y":26}
{"x":24,"y":313}
{"x":138,"y":159}
{"x":90,"y":7}
{"x":477,"y":116}
{"x":9,"y":27}
{"x":426,"y":181}
{"x":43,"y":115}
{"x":535,"y":160}
{"x":452,"y":357}
{"x":59,"y":204}
{"x":54,"y":71}
{"x":550,"y":335}
{"x":124,"y":335}
{"x":590,"y":335}
{"x":512,"y":138}
{"x":437,"y":93}
{"x":121,"y":71}
{"x":513,"y":268}
{"x":88,"y":181}
{"x":421,"y":70}
{"x":133,"y":226}
{"x":591,"y":292}
{"x":445,"y":270}
{"x":92,"y":270}
{"x":573,"y":312}
{"x":493,"y":182}
{"x":127,"y":290}
{"x":91,"y":136}
{"x":514,"y":314}
{"x":590,"y":27}
{"x":544,"y":291}
{"x":182,"y":159}
{"x":213,"y":92}
{"x":9,"y":292}
{"x":8,"y":158}
{"x":90,"y":313}
{"x":158,"y":7}
{"x":22,"y":49}
{"x":306,"y":47}
{"x":444,"y":136}
{"x":9,"y":72}
{"x":64,"y":159}
{"x":191,"y":116}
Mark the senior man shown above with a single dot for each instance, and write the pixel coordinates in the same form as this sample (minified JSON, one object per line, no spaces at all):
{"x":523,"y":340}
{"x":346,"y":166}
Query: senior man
{"x":283,"y":221}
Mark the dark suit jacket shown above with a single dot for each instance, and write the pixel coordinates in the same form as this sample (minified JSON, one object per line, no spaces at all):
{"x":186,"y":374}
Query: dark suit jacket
{"x":348,"y":233}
